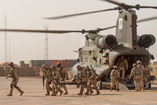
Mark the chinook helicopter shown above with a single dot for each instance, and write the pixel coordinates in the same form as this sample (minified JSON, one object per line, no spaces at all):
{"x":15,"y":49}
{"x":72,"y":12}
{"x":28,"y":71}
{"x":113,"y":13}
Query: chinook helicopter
{"x":102,"y":52}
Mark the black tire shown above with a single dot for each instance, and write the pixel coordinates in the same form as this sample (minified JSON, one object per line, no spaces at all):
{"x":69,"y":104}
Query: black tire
{"x":99,"y":85}
{"x":150,"y":85}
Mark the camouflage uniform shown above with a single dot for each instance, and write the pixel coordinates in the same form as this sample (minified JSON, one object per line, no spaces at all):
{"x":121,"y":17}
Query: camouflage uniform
{"x":63,"y":75}
{"x":122,"y":65}
{"x":91,"y":76}
{"x":55,"y":83}
{"x":141,"y":68}
{"x":137,"y":75}
{"x":13,"y":73}
{"x":47,"y":73}
{"x":114,"y":76}
{"x":146,"y":74}
{"x":83,"y":78}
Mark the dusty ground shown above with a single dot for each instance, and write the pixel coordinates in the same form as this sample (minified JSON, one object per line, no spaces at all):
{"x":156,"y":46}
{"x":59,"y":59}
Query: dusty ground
{"x":34,"y":95}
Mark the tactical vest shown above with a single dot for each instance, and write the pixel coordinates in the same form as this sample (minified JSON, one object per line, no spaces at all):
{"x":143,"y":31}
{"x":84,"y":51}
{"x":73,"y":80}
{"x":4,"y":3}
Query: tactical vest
{"x":47,"y":73}
{"x":11,"y":73}
{"x":136,"y":72}
{"x":80,"y":73}
{"x":122,"y":64}
{"x":89,"y":74}
{"x":62,"y":73}
{"x":146,"y":72}
{"x":114,"y":73}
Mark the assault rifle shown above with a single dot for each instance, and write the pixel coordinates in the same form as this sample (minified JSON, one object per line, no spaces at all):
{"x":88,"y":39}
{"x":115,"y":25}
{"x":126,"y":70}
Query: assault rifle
{"x":94,"y":70}
{"x":43,"y":78}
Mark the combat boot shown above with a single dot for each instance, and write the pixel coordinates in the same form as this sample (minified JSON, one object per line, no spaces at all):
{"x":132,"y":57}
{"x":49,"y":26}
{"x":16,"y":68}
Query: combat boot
{"x":117,"y":89}
{"x":11,"y":91}
{"x":97,"y":93}
{"x":142,"y":89}
{"x":47,"y":94}
{"x":111,"y":88}
{"x":65,"y":93}
{"x":53,"y":94}
{"x":9,"y":95}
{"x":61,"y":93}
{"x":86,"y":93}
{"x":21,"y":93}
{"x":79,"y":94}
{"x":91,"y":92}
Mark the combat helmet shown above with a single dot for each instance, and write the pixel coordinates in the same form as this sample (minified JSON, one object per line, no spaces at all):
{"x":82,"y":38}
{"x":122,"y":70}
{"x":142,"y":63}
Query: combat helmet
{"x":134,"y":65}
{"x":139,"y":62}
{"x":87,"y":67}
{"x":53,"y":67}
{"x":58,"y":64}
{"x":79,"y":67}
{"x":11,"y":64}
{"x":43,"y":66}
{"x":114,"y":67}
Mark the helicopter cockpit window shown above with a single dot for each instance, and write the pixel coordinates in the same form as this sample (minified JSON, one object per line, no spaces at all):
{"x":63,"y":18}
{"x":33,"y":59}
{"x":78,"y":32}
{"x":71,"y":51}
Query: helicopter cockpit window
{"x":99,"y":61}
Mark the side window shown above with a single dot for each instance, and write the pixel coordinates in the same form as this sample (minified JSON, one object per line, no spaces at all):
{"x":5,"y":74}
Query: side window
{"x":99,"y":61}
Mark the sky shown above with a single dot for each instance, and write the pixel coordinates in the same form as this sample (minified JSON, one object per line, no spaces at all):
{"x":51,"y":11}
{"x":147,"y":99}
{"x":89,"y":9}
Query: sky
{"x":30,"y":14}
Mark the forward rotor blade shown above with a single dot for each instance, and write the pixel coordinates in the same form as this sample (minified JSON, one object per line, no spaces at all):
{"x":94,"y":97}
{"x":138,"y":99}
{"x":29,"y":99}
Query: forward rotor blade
{"x":79,"y":14}
{"x":41,"y":31}
{"x":102,"y":29}
{"x":113,"y":2}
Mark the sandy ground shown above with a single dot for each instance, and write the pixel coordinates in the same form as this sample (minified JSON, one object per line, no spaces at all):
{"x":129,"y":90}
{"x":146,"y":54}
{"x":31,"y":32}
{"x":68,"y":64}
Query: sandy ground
{"x":34,"y":95}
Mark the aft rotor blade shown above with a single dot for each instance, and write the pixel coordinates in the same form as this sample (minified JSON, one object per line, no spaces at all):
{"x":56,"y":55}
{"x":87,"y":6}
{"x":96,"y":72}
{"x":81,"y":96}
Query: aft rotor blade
{"x":41,"y":31}
{"x":79,"y":14}
{"x":113,"y":2}
{"x":138,"y":21}
{"x":153,"y":7}
{"x":147,"y":19}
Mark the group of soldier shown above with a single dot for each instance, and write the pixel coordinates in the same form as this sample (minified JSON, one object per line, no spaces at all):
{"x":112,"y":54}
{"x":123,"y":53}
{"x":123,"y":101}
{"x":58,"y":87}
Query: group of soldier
{"x":139,"y":73}
{"x":140,"y":76}
{"x":87,"y":77}
{"x":56,"y":76}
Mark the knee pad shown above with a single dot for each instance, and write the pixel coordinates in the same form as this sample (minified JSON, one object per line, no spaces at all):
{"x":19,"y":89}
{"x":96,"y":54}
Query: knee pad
{"x":11,"y":85}
{"x":15,"y":86}
{"x":49,"y":82}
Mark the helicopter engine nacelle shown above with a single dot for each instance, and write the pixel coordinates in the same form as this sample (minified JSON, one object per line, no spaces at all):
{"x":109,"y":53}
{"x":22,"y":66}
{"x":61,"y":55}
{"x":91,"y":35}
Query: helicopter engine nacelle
{"x":146,"y":40}
{"x":108,"y":41}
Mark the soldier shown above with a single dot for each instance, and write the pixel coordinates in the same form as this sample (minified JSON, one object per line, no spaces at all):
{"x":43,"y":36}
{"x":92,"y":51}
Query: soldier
{"x":141,"y":68}
{"x":122,"y":65}
{"x":146,"y":74}
{"x":47,"y":73}
{"x":82,"y":78}
{"x":15,"y":77}
{"x":91,"y":76}
{"x":114,"y":76}
{"x":63,"y":76}
{"x":55,"y":82}
{"x":136,"y":74}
